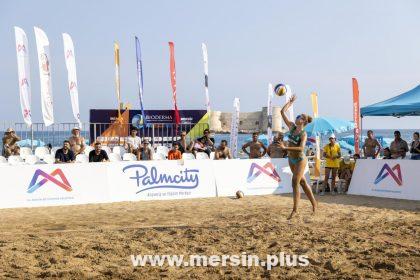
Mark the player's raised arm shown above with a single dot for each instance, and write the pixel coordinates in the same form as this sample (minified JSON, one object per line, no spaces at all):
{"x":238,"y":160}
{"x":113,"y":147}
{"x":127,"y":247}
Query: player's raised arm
{"x":284,"y":110}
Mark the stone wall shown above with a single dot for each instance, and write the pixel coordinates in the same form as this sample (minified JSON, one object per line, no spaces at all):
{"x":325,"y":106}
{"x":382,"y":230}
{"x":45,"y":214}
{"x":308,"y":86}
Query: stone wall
{"x":248,"y":121}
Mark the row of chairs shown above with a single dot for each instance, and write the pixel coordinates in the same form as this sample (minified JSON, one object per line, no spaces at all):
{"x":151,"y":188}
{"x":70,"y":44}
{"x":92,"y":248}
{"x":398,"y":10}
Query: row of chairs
{"x":118,"y":153}
{"x":40,"y":152}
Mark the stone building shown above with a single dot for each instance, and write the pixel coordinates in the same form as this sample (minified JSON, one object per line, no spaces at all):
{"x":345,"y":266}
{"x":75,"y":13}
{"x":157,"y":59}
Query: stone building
{"x":248,"y":121}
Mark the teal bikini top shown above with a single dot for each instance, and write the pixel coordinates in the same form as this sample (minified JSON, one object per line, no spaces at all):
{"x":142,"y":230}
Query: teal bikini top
{"x":295,"y":139}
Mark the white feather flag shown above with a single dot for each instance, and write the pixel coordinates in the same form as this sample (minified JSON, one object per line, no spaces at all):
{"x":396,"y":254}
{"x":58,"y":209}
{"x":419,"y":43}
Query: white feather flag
{"x":71,"y":76}
{"x":24,"y":74}
{"x":43,"y":49}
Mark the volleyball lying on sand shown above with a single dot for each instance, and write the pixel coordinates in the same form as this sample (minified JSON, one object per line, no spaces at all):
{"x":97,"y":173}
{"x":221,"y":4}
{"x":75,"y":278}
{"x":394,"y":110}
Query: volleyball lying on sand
{"x":239,"y":194}
{"x":280,"y":89}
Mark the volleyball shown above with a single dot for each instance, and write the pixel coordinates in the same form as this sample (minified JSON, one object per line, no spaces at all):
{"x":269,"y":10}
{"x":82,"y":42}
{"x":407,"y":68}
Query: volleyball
{"x":280,"y":89}
{"x":239,"y":194}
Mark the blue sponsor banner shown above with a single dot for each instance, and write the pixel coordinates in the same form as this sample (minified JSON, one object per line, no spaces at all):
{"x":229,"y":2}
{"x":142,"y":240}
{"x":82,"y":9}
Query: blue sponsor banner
{"x":101,"y":119}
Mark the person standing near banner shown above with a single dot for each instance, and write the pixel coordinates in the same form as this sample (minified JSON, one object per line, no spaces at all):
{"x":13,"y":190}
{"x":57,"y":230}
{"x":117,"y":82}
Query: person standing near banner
{"x":332,"y":155}
{"x":297,"y":159}
{"x":255,"y":147}
{"x":274,"y":150}
{"x":371,"y":147}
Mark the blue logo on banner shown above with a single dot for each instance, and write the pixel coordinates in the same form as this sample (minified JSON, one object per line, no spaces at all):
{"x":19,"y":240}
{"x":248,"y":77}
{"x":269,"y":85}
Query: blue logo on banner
{"x":148,"y":179}
{"x":138,"y":121}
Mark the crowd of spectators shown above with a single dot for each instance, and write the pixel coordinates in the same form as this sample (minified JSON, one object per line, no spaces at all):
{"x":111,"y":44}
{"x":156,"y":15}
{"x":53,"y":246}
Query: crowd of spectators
{"x":335,"y":164}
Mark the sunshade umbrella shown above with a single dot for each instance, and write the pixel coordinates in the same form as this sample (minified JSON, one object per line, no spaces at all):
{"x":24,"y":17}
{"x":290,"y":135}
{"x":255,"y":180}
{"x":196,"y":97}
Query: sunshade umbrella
{"x":346,"y":146}
{"x":325,"y":126}
{"x":27,"y":143}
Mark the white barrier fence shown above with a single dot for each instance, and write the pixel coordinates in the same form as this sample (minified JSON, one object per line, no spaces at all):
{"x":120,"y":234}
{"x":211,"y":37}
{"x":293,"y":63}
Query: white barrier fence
{"x":81,"y":183}
{"x":253,"y":177}
{"x":386,"y":178}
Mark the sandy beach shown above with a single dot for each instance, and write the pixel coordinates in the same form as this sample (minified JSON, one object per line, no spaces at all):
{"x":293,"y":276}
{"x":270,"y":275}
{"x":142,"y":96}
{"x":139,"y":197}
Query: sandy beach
{"x":351,"y":237}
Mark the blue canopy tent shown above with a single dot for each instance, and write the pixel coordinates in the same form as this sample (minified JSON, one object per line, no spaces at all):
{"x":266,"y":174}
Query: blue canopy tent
{"x":406,"y":104}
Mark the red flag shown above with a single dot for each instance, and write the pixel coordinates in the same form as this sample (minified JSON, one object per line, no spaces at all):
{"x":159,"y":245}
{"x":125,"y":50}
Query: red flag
{"x":173,"y":80}
{"x":356,"y":115}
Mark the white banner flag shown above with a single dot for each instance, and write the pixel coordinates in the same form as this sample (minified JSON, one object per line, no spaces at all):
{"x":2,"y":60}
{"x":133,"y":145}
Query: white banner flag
{"x":71,"y":75}
{"x":270,"y":113}
{"x":43,"y":48}
{"x":23,"y":73}
{"x":234,"y":128}
{"x":288,"y":95}
{"x":206,"y":75}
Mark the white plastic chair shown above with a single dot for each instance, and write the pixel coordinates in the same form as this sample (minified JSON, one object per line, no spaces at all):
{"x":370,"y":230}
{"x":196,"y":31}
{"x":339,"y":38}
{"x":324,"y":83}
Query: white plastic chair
{"x":88,"y":149}
{"x":113,"y":157}
{"x":32,"y":159}
{"x":107,"y":150}
{"x":159,"y":156}
{"x":40,"y":152}
{"x":54,"y":149}
{"x":25,"y":151}
{"x":3,"y":160}
{"x":82,"y":158}
{"x":50,"y":159}
{"x":188,"y":156}
{"x":129,"y":157}
{"x":201,"y":155}
{"x":212,"y":155}
{"x":163,"y":150}
{"x":119,"y":150}
{"x":15,"y":160}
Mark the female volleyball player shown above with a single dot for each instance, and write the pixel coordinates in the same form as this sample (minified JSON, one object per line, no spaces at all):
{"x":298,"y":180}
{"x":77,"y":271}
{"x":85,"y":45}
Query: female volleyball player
{"x":297,"y":159}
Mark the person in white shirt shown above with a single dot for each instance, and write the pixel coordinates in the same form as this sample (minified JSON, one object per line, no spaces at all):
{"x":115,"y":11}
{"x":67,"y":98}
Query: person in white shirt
{"x":133,"y":142}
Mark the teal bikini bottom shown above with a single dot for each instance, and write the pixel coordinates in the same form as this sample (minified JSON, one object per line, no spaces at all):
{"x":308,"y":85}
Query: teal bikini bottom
{"x":295,"y":161}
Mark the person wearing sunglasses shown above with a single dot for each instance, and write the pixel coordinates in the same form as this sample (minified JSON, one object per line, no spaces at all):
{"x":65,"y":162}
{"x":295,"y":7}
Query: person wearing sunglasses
{"x":297,"y":159}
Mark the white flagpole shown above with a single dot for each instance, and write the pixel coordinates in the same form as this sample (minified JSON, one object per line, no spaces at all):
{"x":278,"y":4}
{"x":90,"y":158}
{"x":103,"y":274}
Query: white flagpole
{"x":206,"y":76}
{"x":234,"y":128}
{"x":270,"y":113}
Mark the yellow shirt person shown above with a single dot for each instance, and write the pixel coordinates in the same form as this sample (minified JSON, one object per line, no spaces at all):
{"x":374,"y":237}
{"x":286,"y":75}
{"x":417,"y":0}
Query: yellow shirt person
{"x":332,"y":154}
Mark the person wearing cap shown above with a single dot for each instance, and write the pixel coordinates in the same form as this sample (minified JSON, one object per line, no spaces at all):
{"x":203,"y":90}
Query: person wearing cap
{"x":77,"y":142}
{"x":10,"y":140}
{"x":145,"y":152}
{"x":332,"y":155}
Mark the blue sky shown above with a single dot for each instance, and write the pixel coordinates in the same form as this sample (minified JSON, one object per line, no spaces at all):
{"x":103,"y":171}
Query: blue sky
{"x":311,"y":45}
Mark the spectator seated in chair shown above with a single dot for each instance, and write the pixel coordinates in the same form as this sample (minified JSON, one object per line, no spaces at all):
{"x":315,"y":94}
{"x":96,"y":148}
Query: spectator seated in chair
{"x":98,"y":155}
{"x":387,"y":154}
{"x":174,"y":153}
{"x":346,"y":171}
{"x":65,"y":154}
{"x":145,"y":152}
{"x":10,"y":147}
{"x":223,"y":151}
{"x":133,"y":142}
